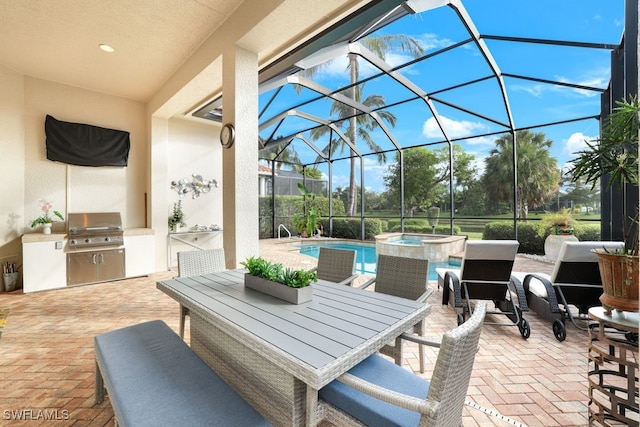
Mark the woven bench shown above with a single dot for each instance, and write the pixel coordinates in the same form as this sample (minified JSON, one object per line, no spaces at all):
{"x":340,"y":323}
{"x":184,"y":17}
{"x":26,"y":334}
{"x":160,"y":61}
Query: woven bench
{"x":154,"y":379}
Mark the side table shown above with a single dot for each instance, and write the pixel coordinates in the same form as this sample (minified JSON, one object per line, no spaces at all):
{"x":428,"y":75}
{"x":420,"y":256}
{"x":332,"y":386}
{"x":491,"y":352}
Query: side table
{"x":613,"y":368}
{"x":181,"y":237}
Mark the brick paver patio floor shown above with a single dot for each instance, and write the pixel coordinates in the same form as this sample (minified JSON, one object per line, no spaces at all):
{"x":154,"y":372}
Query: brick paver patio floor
{"x":47,"y":355}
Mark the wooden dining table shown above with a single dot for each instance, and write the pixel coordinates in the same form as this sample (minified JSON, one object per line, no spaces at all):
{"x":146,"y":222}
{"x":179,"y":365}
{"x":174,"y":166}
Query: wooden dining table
{"x":277,"y":355}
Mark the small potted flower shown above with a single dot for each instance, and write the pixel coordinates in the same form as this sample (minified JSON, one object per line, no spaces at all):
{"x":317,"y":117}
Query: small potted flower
{"x":176,"y":219}
{"x":46,"y":220}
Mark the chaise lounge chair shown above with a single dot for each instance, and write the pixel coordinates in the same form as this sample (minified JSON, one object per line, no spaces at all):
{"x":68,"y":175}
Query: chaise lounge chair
{"x":485,"y":274}
{"x":575,"y":281}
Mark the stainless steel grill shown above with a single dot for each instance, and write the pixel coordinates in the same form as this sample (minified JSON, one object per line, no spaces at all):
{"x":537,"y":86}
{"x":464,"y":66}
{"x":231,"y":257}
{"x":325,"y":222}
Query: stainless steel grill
{"x":96,"y":242}
{"x":95,"y":230}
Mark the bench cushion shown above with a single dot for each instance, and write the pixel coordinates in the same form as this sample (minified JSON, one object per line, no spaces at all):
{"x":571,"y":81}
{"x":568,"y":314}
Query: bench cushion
{"x":369,"y":410}
{"x":155,"y":379}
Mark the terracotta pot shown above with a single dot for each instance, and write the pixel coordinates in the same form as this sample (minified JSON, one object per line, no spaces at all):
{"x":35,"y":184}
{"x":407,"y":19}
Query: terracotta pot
{"x":620,"y":276}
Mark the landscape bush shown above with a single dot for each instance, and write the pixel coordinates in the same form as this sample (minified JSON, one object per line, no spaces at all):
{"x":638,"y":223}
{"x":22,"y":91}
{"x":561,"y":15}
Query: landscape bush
{"x":349,"y":228}
{"x":532,"y":235}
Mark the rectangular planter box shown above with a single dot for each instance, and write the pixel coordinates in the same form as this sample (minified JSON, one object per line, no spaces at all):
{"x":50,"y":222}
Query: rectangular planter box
{"x":278,"y":290}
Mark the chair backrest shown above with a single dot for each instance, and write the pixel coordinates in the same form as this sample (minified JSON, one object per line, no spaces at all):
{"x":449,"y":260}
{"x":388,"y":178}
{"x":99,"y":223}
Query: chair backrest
{"x":402,"y":277}
{"x":336,"y":265}
{"x":452,"y":371}
{"x":195,"y":263}
{"x":576,"y":263}
{"x":488,"y":260}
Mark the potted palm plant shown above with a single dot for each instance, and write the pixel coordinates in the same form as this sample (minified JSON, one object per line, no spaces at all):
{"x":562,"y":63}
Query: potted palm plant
{"x":615,"y":154}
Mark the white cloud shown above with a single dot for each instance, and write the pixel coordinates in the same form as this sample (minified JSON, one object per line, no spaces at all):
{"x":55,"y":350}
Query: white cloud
{"x":576,"y":142}
{"x":482,"y":140}
{"x":594,"y":78}
{"x":454,"y":129}
{"x":430,"y":41}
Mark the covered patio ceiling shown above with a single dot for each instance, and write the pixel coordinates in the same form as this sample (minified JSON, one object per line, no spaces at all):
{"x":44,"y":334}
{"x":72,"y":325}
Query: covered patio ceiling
{"x":485,"y":68}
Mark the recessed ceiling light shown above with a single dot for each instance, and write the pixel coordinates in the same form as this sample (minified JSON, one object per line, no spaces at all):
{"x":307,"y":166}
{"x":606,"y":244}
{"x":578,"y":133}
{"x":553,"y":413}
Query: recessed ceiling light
{"x":106,"y":48}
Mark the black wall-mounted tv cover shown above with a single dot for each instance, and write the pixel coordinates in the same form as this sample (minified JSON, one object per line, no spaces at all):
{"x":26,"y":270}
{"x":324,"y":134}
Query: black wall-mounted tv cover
{"x":85,"y":145}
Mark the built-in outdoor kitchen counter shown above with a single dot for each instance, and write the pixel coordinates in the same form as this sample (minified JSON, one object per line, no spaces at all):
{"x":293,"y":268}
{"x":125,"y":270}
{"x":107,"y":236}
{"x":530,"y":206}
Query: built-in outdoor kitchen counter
{"x":44,"y":258}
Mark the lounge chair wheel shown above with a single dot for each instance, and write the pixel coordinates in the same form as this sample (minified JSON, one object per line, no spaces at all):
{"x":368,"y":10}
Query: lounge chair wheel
{"x":559,"y":330}
{"x":460,"y":319}
{"x":525,"y":329}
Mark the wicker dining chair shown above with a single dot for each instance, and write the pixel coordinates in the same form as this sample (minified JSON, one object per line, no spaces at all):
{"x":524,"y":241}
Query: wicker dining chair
{"x":195,"y":263}
{"x":336,"y":265}
{"x":378,"y":392}
{"x":406,"y":278}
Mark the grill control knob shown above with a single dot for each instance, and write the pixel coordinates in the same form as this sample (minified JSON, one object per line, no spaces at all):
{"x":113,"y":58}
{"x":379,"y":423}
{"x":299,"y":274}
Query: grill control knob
{"x":73,"y":242}
{"x":107,"y":239}
{"x":87,"y":240}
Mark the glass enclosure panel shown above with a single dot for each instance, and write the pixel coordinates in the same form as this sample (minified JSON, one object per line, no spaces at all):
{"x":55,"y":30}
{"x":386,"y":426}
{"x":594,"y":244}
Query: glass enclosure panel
{"x":449,"y":84}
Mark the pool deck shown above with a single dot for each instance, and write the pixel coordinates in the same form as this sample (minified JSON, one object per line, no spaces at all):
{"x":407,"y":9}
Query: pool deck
{"x":533,"y":382}
{"x":48,"y":364}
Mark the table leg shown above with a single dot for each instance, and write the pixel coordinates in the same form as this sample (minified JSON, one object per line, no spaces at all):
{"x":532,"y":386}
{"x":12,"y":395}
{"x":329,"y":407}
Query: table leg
{"x":312,"y":406}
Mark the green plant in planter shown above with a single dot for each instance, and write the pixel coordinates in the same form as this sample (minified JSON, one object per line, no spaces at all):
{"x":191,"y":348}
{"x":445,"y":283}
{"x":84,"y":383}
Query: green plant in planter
{"x":307,"y":220}
{"x":275,"y":272}
{"x":615,"y":154}
{"x":559,"y":223}
{"x":177,"y":216}
{"x":46,"y":207}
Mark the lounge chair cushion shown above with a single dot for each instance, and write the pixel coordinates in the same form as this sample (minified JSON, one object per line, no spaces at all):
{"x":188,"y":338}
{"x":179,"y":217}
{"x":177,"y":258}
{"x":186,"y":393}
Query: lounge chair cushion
{"x":536,"y":287}
{"x":370,"y":410}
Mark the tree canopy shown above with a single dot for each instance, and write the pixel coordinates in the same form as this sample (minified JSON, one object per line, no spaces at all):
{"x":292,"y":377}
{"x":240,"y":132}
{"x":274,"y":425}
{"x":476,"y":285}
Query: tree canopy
{"x":538,"y":177}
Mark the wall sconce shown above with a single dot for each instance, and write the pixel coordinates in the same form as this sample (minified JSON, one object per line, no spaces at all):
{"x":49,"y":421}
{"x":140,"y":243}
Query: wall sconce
{"x":194,"y":185}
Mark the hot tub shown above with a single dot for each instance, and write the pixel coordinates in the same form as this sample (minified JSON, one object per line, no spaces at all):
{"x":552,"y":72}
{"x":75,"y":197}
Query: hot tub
{"x":434,"y":247}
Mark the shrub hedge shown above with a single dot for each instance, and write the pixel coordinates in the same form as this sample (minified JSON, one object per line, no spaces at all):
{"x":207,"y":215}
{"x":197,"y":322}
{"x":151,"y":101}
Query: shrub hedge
{"x":532,"y":235}
{"x":287,"y":206}
{"x":349,"y":228}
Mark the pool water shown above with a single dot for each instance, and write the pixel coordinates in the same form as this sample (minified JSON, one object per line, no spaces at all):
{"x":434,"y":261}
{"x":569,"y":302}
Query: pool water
{"x":407,"y":240}
{"x":366,"y":257}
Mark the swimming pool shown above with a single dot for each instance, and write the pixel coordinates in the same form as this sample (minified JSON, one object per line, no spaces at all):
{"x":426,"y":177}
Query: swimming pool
{"x":366,"y":256}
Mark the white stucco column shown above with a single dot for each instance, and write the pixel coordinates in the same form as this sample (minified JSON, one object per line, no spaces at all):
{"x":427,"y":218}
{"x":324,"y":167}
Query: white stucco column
{"x":240,"y":162}
{"x":158,"y":201}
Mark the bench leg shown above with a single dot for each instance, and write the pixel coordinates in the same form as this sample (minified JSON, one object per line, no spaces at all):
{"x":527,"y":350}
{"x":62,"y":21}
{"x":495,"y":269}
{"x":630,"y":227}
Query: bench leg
{"x":99,"y":393}
{"x":184,"y":312}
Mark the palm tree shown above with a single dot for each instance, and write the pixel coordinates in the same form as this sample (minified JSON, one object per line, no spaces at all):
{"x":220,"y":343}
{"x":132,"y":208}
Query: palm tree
{"x":357,"y":125}
{"x":538,"y":174}
{"x":280,"y":155}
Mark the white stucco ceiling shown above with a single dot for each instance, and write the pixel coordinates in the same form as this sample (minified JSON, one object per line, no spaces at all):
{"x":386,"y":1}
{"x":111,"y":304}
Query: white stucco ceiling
{"x":58,"y":40}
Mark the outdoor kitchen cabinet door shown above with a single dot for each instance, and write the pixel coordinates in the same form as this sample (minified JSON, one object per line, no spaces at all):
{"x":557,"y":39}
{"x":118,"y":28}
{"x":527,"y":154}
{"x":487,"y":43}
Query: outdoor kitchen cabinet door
{"x":95,"y":266}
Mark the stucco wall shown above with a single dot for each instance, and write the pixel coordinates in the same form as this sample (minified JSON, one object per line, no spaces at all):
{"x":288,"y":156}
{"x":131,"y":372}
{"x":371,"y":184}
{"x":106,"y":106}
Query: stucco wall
{"x":194,"y":149}
{"x":79,"y":188}
{"x":12,"y":165}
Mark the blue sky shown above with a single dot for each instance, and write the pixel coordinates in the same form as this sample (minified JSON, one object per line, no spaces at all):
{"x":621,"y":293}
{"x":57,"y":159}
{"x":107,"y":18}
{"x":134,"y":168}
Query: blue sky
{"x":531,"y":102}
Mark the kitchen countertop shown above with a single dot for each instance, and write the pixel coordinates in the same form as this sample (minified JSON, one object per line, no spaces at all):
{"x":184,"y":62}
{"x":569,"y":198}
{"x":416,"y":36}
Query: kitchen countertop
{"x":38,"y":236}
